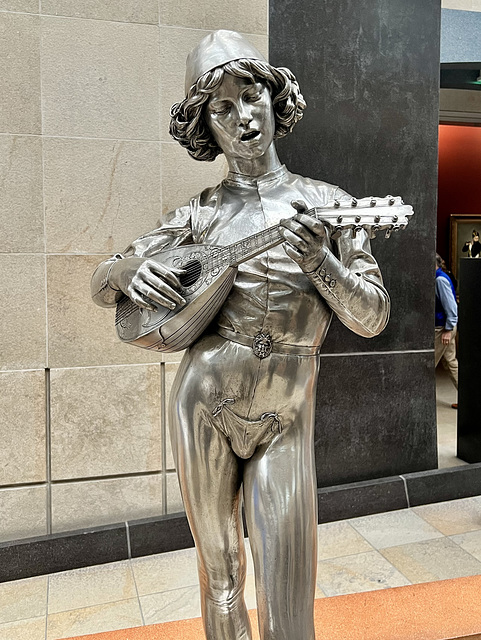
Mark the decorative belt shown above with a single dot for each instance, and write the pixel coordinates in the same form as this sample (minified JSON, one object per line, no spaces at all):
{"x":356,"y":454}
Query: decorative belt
{"x":262,"y":344}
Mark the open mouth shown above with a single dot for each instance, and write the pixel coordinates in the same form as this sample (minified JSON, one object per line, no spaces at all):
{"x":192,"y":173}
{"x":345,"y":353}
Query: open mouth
{"x":250,"y":135}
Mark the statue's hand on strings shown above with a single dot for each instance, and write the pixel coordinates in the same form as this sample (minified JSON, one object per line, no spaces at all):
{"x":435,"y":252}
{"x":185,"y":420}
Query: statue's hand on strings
{"x":305,"y":238}
{"x":146,"y":282}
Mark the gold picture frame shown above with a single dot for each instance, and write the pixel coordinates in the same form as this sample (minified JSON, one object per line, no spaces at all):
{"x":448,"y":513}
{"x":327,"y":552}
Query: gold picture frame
{"x":461,"y":228}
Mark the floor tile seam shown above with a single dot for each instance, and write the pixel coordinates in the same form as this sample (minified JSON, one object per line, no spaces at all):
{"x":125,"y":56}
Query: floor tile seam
{"x":136,"y":589}
{"x":91,"y":606}
{"x":158,"y":593}
{"x":22,"y":134}
{"x":352,"y":555}
{"x":23,"y":619}
{"x":53,"y":15}
{"x":3,"y":625}
{"x":461,"y":547}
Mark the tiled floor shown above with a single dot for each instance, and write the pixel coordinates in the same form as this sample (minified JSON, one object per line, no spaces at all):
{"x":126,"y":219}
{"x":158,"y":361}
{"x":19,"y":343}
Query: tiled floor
{"x":422,"y":544}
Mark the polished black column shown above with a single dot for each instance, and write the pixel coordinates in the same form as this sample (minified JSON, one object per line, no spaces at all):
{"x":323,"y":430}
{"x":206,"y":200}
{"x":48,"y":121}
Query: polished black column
{"x":469,"y":393}
{"x":370,"y":74}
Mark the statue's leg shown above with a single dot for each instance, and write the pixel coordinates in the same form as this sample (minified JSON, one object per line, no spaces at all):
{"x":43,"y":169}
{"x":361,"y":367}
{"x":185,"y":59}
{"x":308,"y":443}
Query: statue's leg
{"x":210,"y":477}
{"x":281,"y":510}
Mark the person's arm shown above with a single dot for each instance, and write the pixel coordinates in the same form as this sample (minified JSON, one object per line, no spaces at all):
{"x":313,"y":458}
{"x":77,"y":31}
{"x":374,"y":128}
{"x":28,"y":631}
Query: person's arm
{"x":133,"y":274}
{"x":350,"y":282}
{"x":448,"y":303}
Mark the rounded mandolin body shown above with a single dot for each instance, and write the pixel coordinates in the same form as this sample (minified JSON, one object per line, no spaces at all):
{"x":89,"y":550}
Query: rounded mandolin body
{"x":205,"y":284}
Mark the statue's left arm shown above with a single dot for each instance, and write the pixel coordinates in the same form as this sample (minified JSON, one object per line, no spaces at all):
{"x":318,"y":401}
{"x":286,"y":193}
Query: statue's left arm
{"x":345,"y":273}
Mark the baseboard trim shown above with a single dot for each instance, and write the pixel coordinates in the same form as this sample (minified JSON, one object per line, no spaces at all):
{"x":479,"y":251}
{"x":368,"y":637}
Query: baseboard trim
{"x":75,"y":549}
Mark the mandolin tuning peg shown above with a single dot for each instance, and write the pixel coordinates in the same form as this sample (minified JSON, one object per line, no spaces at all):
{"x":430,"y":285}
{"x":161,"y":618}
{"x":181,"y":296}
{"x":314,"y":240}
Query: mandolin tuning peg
{"x":374,"y":229}
{"x":395,"y":218}
{"x":355,"y":230}
{"x":377,"y":219}
{"x":354,"y":202}
{"x":372,"y":202}
{"x":337,"y":204}
{"x":396,"y":227}
{"x":336,"y":233}
{"x":390,"y":200}
{"x":339,"y":219}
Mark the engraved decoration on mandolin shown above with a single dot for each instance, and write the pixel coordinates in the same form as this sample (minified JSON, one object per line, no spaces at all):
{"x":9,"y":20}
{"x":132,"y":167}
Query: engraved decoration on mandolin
{"x":210,"y":271}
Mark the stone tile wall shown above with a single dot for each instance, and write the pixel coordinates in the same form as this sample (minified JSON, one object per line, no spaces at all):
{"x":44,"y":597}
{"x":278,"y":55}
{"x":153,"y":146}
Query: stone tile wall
{"x":86,"y":165}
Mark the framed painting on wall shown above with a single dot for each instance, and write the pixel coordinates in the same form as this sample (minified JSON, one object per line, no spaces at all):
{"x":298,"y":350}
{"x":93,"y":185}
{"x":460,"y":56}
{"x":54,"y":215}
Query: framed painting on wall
{"x":464,"y":239}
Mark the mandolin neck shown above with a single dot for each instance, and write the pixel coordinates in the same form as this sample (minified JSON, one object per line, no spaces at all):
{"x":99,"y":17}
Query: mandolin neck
{"x":372,"y":214}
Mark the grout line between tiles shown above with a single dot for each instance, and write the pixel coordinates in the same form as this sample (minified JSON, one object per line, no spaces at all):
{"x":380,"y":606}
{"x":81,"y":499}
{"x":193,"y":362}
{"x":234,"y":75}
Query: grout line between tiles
{"x":120,"y":476}
{"x":48,"y":448}
{"x":406,"y":490}
{"x":129,"y":548}
{"x":136,"y":588}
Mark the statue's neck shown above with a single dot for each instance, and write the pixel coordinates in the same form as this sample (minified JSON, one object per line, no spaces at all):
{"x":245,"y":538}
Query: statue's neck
{"x":257,"y":166}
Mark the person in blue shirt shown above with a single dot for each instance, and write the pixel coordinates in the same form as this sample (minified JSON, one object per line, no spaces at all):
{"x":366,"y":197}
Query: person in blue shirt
{"x":446,"y":319}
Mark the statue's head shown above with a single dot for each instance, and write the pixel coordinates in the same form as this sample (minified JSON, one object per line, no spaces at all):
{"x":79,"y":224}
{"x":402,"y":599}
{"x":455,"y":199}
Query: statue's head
{"x":224,"y":72}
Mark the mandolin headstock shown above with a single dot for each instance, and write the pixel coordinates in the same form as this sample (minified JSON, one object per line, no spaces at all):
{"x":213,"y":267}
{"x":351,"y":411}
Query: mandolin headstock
{"x":372,"y":214}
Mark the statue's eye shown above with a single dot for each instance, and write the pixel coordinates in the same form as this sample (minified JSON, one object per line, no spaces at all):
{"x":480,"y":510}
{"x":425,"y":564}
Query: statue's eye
{"x":252,"y":97}
{"x":220,"y":110}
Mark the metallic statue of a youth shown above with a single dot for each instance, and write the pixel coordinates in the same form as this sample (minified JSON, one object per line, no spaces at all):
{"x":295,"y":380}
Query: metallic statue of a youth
{"x":242,"y":405}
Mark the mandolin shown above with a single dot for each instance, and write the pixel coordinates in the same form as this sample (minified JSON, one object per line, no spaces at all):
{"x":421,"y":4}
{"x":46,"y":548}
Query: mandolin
{"x":209,"y":272}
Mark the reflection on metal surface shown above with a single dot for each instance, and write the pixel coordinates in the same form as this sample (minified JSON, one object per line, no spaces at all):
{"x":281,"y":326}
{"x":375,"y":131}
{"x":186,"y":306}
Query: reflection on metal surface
{"x":242,"y":404}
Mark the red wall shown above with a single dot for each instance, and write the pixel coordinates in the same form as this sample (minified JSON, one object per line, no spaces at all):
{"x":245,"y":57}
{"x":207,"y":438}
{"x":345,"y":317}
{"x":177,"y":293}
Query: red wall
{"x":459,"y":177}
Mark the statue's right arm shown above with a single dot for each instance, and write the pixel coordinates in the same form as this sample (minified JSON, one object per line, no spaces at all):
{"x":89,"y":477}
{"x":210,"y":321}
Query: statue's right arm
{"x":136,"y":275}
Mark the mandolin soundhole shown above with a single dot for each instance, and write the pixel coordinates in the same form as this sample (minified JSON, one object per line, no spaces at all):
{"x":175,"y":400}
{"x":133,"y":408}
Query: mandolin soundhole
{"x":192,"y":271}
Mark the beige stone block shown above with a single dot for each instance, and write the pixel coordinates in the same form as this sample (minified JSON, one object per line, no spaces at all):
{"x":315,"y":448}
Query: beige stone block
{"x":183,"y":177}
{"x":23,"y":312}
{"x":90,"y":586}
{"x":105,"y":421}
{"x":80,"y":332}
{"x":175,"y":44}
{"x":249,"y":16}
{"x":99,"y":194}
{"x":21,"y":204}
{"x":22,"y":599}
{"x":100,"y":79}
{"x":165,"y":571}
{"x":20,"y":110}
{"x":100,"y":618}
{"x":453,"y":517}
{"x":169,"y":606}
{"x":23,"y":513}
{"x":174,"y":497}
{"x":76,"y":505}
{"x":22,"y":407}
{"x":31,"y":629}
{"x":146,"y":11}
{"x":434,"y":560}
{"x":29,"y":6}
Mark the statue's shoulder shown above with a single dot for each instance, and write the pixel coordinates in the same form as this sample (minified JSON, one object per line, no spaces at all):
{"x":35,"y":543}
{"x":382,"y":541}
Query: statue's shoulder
{"x":322,"y":191}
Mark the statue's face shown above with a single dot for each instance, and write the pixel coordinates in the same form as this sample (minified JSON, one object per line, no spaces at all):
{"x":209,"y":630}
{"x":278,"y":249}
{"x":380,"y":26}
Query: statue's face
{"x":240,"y":116}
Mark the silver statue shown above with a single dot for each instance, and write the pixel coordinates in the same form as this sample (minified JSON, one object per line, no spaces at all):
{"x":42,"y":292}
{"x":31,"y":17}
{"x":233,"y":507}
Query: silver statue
{"x":242,"y":405}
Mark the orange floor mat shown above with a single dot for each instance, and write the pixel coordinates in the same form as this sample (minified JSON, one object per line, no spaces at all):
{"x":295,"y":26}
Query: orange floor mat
{"x":445,"y":610}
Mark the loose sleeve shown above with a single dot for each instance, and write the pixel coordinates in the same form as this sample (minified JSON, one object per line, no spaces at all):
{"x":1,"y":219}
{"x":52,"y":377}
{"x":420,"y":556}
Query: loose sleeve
{"x":175,"y":229}
{"x":351,"y":284}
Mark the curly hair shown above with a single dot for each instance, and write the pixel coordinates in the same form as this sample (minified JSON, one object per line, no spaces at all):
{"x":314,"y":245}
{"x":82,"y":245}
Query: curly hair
{"x":189,"y":128}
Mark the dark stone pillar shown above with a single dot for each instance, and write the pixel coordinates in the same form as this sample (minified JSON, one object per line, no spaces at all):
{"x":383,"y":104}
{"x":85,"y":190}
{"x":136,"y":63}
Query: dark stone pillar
{"x":469,"y":412}
{"x":370,"y":74}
